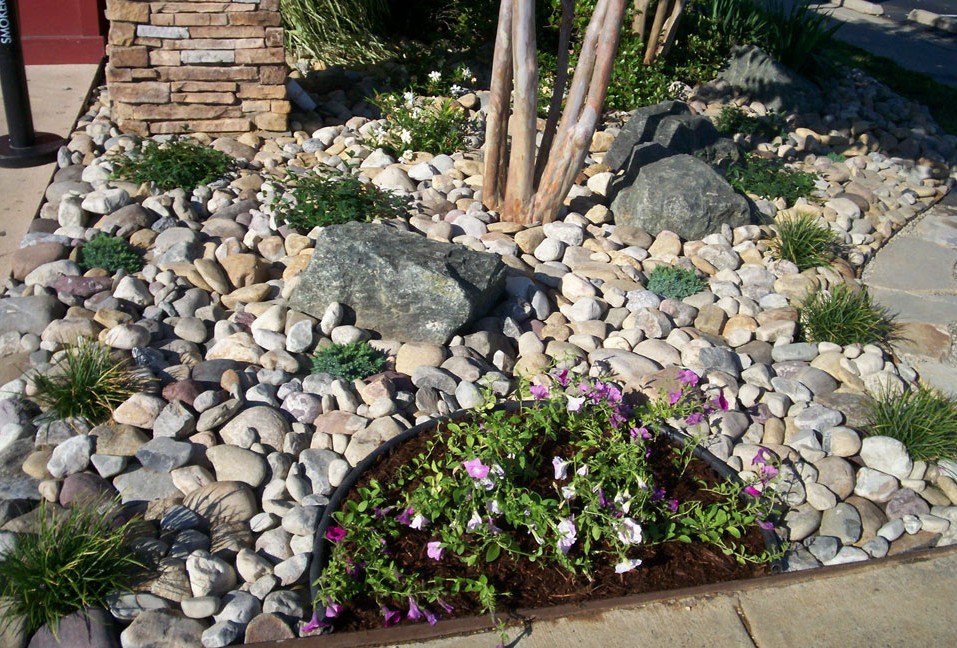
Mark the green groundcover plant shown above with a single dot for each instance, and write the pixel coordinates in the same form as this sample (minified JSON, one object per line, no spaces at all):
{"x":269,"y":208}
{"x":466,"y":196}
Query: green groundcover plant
{"x":770,"y":179}
{"x":330,"y":197}
{"x":87,"y":381}
{"x":922,"y":418}
{"x":413,"y":123}
{"x":75,"y":560}
{"x":181,"y":162}
{"x":111,"y":253}
{"x":567,"y":472}
{"x":348,"y":361}
{"x":675,"y":282}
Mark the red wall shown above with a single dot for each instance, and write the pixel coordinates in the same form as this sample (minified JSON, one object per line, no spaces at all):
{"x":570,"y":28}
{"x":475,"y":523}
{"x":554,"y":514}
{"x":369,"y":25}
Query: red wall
{"x":62,"y":31}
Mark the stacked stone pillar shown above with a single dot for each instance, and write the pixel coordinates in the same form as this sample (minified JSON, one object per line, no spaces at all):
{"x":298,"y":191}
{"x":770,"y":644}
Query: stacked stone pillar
{"x":192,"y":66}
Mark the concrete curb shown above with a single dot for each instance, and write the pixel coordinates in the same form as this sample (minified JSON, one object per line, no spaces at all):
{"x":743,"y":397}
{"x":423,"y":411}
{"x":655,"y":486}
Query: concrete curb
{"x":931,"y":19}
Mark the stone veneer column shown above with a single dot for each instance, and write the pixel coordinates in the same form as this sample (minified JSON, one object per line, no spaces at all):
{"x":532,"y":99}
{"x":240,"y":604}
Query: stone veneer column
{"x":210,"y":67}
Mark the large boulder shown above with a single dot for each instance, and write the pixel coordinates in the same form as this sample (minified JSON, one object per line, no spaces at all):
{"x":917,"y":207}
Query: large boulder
{"x":654,"y":132}
{"x":29,"y":314}
{"x":680,"y":193}
{"x":404,"y":286}
{"x":761,"y":77}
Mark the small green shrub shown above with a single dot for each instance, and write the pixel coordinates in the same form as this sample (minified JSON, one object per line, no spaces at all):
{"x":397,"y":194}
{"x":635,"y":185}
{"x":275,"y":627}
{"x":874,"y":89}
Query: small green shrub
{"x":110,"y":253}
{"x":87,"y":382}
{"x":348,"y":361}
{"x":738,"y":21}
{"x":805,"y":241}
{"x":770,"y":179}
{"x":73,"y":561}
{"x":922,"y":418}
{"x":844,"y":316}
{"x":836,"y":157}
{"x":420,"y":124}
{"x":330,"y":197}
{"x":181,"y":162}
{"x":674,"y":282}
{"x":733,"y":120}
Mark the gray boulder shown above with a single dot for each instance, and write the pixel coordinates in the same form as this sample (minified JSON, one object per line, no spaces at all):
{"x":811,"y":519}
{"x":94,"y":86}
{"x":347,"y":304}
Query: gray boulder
{"x":404,"y":286}
{"x":29,"y":314}
{"x":680,"y":193}
{"x":640,"y":128}
{"x":761,"y":77}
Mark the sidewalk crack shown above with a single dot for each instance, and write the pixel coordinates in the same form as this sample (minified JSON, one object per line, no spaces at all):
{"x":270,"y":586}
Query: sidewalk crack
{"x":746,"y":623}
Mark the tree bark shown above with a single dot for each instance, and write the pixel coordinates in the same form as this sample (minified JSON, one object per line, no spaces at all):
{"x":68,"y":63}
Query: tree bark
{"x":558,"y":93}
{"x":671,"y":28}
{"x":639,"y":24}
{"x":496,"y":124}
{"x":651,"y":46}
{"x":520,"y":185}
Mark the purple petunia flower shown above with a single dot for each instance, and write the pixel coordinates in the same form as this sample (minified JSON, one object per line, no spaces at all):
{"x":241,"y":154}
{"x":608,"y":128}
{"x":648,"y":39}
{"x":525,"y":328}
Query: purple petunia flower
{"x":405,"y":517}
{"x":474,"y":522}
{"x":562,"y":377}
{"x":333,"y":610}
{"x":561,"y":468}
{"x":391,"y":617}
{"x":476,"y":469}
{"x":674,"y":397}
{"x":567,"y":534}
{"x":720,"y":402}
{"x":313,"y":624}
{"x":640,"y":433}
{"x":673,"y":505}
{"x":627,"y":565}
{"x":629,"y":531}
{"x":752,"y":491}
{"x":694,"y":418}
{"x":445,"y":606}
{"x":430,"y":616}
{"x":764,"y":524}
{"x":761,"y":457}
{"x":658,"y":494}
{"x":335,"y":533}
{"x":539,"y":391}
{"x":434,"y":550}
{"x":414,"y":612}
{"x":688,"y":377}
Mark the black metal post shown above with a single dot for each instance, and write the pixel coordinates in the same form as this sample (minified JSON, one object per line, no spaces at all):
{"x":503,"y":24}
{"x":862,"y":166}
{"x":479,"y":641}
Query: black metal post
{"x":22,"y":147}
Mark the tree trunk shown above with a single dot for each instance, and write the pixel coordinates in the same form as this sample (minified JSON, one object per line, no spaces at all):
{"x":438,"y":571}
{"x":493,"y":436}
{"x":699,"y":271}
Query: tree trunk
{"x":496,"y":124}
{"x":639,"y":24}
{"x":651,"y":46}
{"x":671,"y":28}
{"x":558,"y":92}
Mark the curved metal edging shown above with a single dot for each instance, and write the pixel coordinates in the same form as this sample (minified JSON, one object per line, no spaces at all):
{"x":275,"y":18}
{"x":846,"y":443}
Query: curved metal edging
{"x":321,"y":545}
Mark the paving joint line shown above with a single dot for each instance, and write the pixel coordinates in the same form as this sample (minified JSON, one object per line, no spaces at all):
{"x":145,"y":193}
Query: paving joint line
{"x":745,"y":621}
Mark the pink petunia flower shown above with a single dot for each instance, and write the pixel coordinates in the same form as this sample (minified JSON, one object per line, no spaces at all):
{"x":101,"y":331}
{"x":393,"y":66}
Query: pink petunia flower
{"x":313,"y":624}
{"x":434,"y":550}
{"x":694,"y":418}
{"x":562,"y":377}
{"x":476,"y":469}
{"x":335,"y":533}
{"x":752,"y":491}
{"x":688,"y":377}
{"x":720,"y":402}
{"x":674,"y":397}
{"x":539,"y":392}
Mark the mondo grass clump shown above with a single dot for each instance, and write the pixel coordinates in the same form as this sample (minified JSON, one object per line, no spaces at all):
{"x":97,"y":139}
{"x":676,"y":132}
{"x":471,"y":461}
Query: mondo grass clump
{"x":180,"y":162}
{"x":88,"y":381}
{"x":74,"y":560}
{"x":675,"y":282}
{"x":330,"y":197}
{"x":805,"y":241}
{"x":844,"y":315}
{"x":922,"y":418}
{"x":350,"y":361}
{"x":111,"y":253}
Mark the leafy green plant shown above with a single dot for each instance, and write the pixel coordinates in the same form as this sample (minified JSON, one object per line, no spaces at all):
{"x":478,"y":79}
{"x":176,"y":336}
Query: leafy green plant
{"x":922,"y":418}
{"x":733,"y":119}
{"x":334,"y":31}
{"x":563,"y":481}
{"x":420,"y":124}
{"x":675,"y":282}
{"x":330,"y":197}
{"x":348,"y":361}
{"x":844,"y":316}
{"x":87,"y":381}
{"x":796,"y":35}
{"x":181,"y":162}
{"x":738,"y":21}
{"x":805,"y":241}
{"x":770,"y":179}
{"x":111,"y":253}
{"x":836,"y":157}
{"x":74,"y":560}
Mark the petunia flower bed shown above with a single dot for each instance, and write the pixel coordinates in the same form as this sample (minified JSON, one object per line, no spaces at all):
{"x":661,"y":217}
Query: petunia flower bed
{"x":575,"y":494}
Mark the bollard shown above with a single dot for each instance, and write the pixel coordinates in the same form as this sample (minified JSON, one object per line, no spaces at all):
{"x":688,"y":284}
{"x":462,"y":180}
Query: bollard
{"x":22,"y":147}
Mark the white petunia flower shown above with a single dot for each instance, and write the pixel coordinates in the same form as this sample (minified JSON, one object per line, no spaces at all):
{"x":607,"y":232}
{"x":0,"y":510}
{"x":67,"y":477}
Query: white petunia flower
{"x":627,"y":565}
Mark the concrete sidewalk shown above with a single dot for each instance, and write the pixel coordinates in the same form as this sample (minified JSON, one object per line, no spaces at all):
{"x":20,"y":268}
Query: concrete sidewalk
{"x":57,"y":95}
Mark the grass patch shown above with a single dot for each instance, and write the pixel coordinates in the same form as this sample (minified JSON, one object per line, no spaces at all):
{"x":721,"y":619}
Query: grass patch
{"x":73,"y":561}
{"x":674,"y":282}
{"x":111,"y":253}
{"x":181,"y":162}
{"x":330,"y":197}
{"x":940,"y":99}
{"x":845,"y":316}
{"x":348,"y":361}
{"x":734,"y":119}
{"x":770,"y":179}
{"x":922,"y":418}
{"x":805,"y":241}
{"x":88,"y":382}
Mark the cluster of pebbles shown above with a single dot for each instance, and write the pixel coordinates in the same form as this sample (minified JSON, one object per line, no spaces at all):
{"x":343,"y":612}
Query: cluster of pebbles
{"x":234,"y":455}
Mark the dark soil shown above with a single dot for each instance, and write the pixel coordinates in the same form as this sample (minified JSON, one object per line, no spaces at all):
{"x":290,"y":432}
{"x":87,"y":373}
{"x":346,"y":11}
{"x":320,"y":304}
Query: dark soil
{"x":668,"y":566}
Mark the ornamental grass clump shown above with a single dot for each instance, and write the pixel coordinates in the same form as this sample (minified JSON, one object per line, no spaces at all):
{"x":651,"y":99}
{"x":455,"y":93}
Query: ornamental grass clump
{"x":805,"y":241}
{"x":844,"y":315}
{"x":922,"y":418}
{"x":564,"y":481}
{"x":74,"y":560}
{"x":87,"y":381}
{"x":180,"y":162}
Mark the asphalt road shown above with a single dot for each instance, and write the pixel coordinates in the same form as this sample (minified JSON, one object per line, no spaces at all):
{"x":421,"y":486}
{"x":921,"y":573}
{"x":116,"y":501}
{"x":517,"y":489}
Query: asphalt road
{"x":898,"y":9}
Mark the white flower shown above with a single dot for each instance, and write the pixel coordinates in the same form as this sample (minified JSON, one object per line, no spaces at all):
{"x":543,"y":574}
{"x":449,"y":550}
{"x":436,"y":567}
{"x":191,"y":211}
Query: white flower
{"x":457,"y":90}
{"x":567,"y":534}
{"x":474,"y":522}
{"x":409,"y":98}
{"x":405,"y":135}
{"x":493,"y":507}
{"x":627,"y":565}
{"x":623,"y":500}
{"x":629,"y":531}
{"x":435,"y":76}
{"x":418,"y":522}
{"x":466,"y":72}
{"x":575,"y":404}
{"x":583,"y":471}
{"x":568,"y":492}
{"x":407,"y":155}
{"x":561,"y":468}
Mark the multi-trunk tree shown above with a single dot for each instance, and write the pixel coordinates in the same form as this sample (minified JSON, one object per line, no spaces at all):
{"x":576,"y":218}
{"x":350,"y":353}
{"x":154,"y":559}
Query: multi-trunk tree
{"x":528,"y":183}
